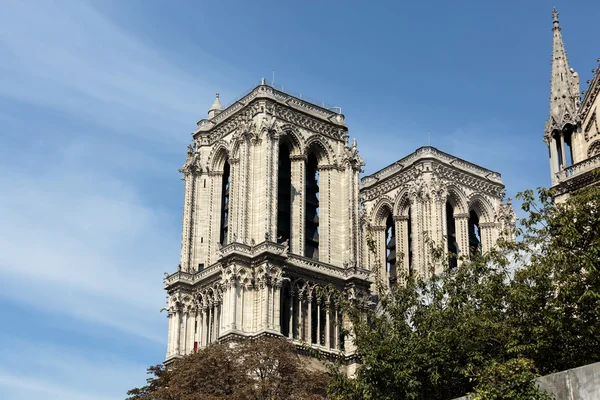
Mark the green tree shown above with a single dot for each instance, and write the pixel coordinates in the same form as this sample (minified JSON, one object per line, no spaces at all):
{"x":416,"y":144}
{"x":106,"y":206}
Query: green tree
{"x":265,"y":369}
{"x":530,"y":306}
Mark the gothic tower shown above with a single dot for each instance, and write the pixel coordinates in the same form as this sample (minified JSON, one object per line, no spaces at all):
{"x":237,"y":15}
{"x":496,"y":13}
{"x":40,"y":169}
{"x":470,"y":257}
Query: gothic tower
{"x":571,"y":132}
{"x":270,"y":225}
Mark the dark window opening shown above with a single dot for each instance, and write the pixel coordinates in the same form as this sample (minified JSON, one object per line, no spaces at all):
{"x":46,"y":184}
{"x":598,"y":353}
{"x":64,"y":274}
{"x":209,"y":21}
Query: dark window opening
{"x":284,"y":186}
{"x":311,"y":241}
{"x":225,"y":204}
{"x":474,"y":234}
{"x":410,"y":245}
{"x":286,"y":311}
{"x":568,"y":149}
{"x":200,"y":267}
{"x":451,"y":235}
{"x":390,"y":248}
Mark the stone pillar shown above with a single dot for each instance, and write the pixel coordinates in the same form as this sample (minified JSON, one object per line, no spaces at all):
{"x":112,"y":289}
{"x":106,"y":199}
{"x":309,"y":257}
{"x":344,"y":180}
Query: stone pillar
{"x":177,"y":331}
{"x":297,"y":200}
{"x":318,"y":321}
{"x":402,"y":261}
{"x":327,"y":325}
{"x":309,"y":299}
{"x":300,"y":333}
{"x":336,"y":326}
{"x":461,"y":222}
{"x":215,"y":321}
{"x":233,"y":305}
{"x":170,"y":335}
{"x":204,"y":332}
{"x":277,"y":304}
{"x":291,"y":315}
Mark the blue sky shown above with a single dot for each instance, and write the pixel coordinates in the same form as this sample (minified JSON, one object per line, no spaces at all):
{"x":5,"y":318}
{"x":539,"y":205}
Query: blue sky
{"x":97,"y":100}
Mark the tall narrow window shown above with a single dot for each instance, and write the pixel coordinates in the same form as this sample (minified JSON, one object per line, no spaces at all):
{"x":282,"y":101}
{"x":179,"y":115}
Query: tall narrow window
{"x":568,"y":149}
{"x":311,"y":242}
{"x":225,"y":203}
{"x":474,"y":233}
{"x":451,"y":235}
{"x":561,"y":162}
{"x":410,"y":244}
{"x":284,"y":186}
{"x":390,"y":248}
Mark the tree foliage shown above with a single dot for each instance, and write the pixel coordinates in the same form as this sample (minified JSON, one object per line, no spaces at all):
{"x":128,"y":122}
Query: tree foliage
{"x":265,"y":369}
{"x":527,"y":307}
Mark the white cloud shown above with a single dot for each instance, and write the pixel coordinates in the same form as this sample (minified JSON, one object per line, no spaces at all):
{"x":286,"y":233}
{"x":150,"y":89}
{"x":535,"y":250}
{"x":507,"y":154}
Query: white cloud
{"x":68,"y":56}
{"x":62,"y":373}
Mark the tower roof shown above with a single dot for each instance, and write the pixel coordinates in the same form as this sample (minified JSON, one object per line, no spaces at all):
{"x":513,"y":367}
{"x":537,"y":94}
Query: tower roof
{"x":215,"y":108}
{"x":564,"y":84}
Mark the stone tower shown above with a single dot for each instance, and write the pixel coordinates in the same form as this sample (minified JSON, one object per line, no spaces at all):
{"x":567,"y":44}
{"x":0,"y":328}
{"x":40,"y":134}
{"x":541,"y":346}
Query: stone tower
{"x":270,"y":222}
{"x":275,"y":223}
{"x":431,"y":198}
{"x":571,"y":132}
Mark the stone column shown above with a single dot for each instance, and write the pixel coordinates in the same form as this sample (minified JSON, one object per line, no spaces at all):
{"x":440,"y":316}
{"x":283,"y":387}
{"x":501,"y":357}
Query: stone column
{"x":204,"y":331}
{"x":300,"y":319}
{"x":318,"y":321}
{"x":327,"y":325}
{"x":170,"y":334}
{"x":177,"y":330}
{"x":191,"y":330}
{"x":336,"y":326}
{"x":276,"y":306}
{"x":297,"y":200}
{"x":233,"y":305}
{"x":461,"y":222}
{"x":291,"y":314}
{"x":309,"y":299}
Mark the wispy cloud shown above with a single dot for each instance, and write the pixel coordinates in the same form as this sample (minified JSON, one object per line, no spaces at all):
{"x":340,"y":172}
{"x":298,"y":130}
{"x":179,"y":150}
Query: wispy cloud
{"x":66,"y":55}
{"x":62,"y":373}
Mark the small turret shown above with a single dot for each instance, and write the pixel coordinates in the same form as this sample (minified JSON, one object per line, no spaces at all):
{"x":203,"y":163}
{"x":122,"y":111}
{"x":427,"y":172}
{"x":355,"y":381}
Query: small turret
{"x":216,"y":108}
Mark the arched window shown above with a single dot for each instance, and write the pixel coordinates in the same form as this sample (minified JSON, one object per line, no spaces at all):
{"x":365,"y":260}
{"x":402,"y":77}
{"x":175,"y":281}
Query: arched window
{"x":225,"y":203}
{"x":451,"y":235}
{"x":410,"y":243}
{"x":390,"y":248}
{"x":284,"y":185}
{"x":311,"y":241}
{"x":474,"y":233}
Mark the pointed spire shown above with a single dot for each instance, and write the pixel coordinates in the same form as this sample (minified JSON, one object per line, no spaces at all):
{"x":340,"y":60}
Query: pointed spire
{"x":564,"y":84}
{"x":215,"y":108}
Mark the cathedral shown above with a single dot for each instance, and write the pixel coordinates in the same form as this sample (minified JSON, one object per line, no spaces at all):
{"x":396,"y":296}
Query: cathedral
{"x":571,"y":132}
{"x":277,"y":217}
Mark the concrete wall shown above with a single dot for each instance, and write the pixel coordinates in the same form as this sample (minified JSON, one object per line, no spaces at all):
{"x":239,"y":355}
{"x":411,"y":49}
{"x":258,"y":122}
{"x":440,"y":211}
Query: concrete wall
{"x":581,"y":383}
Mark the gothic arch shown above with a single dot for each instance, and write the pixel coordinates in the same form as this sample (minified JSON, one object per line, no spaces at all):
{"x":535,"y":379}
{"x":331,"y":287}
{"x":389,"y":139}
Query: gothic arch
{"x":324,"y":151}
{"x":457,"y":199}
{"x":294,"y":138}
{"x":482,"y":207}
{"x":594,"y":149}
{"x":402,"y":203}
{"x":218,"y":155}
{"x":382,"y":209}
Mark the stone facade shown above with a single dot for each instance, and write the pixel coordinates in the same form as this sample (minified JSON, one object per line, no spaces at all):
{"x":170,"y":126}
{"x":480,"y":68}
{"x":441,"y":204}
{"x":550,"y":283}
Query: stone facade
{"x":572,"y":131}
{"x":426,"y":199}
{"x":275,"y":223}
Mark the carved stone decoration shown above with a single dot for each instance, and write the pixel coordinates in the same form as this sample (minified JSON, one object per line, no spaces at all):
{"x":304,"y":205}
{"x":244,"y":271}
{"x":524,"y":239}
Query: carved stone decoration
{"x":192,"y":161}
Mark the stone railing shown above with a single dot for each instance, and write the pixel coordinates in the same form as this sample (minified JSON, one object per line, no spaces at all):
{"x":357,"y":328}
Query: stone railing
{"x":427,"y":152}
{"x":579,"y":168}
{"x":192,"y":278}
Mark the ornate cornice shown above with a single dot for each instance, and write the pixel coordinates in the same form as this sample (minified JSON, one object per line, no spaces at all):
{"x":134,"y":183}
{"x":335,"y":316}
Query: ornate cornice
{"x":279,"y":105}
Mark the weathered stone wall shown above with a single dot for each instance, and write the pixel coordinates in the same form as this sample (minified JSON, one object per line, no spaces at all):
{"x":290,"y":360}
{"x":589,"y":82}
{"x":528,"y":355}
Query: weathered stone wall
{"x":581,"y":383}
